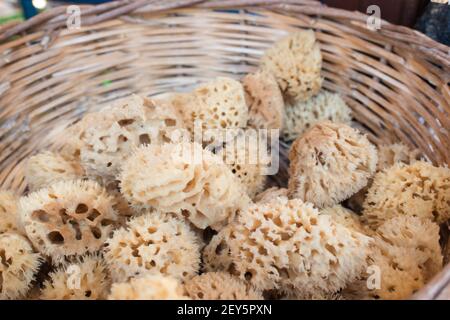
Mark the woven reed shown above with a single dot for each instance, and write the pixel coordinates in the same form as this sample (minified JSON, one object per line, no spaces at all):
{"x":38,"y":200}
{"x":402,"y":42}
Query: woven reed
{"x":396,"y":80}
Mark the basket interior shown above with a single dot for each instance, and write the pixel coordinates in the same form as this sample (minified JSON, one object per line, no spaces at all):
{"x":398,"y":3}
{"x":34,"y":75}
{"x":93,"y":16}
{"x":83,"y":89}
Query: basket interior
{"x":396,"y":95}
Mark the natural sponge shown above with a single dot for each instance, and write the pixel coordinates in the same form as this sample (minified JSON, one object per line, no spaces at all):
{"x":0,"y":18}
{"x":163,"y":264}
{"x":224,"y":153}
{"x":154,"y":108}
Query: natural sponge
{"x":47,"y":168}
{"x":248,"y":158}
{"x":271,"y":194}
{"x":345,"y":217}
{"x":220,"y":286}
{"x":153,"y":243}
{"x":264,"y":100}
{"x":68,"y":218}
{"x":419,"y":189}
{"x":150,"y":287}
{"x":390,"y":154}
{"x":9,"y":213}
{"x":120,"y":129}
{"x":329,"y":163}
{"x":87,"y":278}
{"x":18,"y":265}
{"x":183,"y":179}
{"x":300,"y":116}
{"x":218,"y":104}
{"x":406,"y":253}
{"x":296,"y":62}
{"x":288,"y":245}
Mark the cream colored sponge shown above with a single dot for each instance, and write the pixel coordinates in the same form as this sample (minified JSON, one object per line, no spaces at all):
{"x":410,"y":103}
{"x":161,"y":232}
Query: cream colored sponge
{"x":301,"y":116}
{"x":184,"y":179}
{"x":18,"y":265}
{"x":220,"y":286}
{"x":419,"y":189}
{"x":68,"y":218}
{"x":47,"y":168}
{"x":390,"y":154}
{"x":288,"y":245}
{"x":296,"y":62}
{"x":150,"y":287}
{"x":330,"y":163}
{"x":153,"y":243}
{"x":87,"y":278}
{"x":271,"y":194}
{"x":122,"y":127}
{"x":9,"y":213}
{"x":264,"y":100}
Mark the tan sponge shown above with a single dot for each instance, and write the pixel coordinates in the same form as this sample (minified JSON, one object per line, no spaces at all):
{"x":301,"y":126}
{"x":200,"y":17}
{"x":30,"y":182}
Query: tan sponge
{"x":330,"y":163}
{"x":9,"y":213}
{"x":18,"y":265}
{"x":68,"y":218}
{"x":153,"y":243}
{"x":220,"y":286}
{"x":296,"y":62}
{"x":419,"y":189}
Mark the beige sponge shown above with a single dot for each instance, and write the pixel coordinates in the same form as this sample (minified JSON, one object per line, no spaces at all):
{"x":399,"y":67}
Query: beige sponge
{"x":150,"y":287}
{"x":68,"y":218}
{"x":9,"y":213}
{"x":153,"y":243}
{"x":271,"y":194}
{"x":18,"y":265}
{"x":248,"y":158}
{"x":85,"y":279}
{"x":47,"y":168}
{"x":345,"y":217}
{"x":264,"y":100}
{"x":220,"y":286}
{"x":288,"y":245}
{"x":330,"y":163}
{"x":120,"y":129}
{"x":184,"y":179}
{"x":390,"y":154}
{"x":300,"y":116}
{"x":218,"y":104}
{"x":296,"y":62}
{"x":419,"y":189}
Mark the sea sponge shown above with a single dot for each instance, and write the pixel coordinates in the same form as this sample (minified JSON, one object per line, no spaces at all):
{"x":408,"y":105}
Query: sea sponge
{"x":9,"y":213}
{"x":288,"y":245}
{"x":218,"y":104}
{"x":345,"y":217}
{"x":47,"y":168}
{"x":87,"y":278}
{"x":390,"y":154}
{"x":220,"y":286}
{"x":406,"y":254}
{"x":150,"y":287}
{"x":329,"y":163}
{"x":183,"y":179}
{"x":248,"y":159}
{"x":296,"y":62}
{"x":153,"y":243}
{"x":264,"y":100}
{"x":68,"y":218}
{"x":301,"y":116}
{"x":419,"y":189}
{"x":18,"y":265}
{"x":271,"y":194}
{"x":121,"y":128}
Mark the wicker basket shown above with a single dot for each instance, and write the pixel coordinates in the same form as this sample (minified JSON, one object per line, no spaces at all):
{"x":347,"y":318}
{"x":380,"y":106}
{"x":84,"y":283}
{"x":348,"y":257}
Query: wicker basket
{"x":395,"y":79}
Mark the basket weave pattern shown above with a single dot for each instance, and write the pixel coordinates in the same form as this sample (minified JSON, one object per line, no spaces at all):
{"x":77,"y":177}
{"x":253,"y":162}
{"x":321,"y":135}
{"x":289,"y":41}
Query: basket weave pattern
{"x":395,"y":80}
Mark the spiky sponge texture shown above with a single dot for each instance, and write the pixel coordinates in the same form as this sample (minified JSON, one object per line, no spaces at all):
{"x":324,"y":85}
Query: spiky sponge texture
{"x":68,"y":218}
{"x":288,"y":245}
{"x":153,"y":243}
{"x":419,"y":189}
{"x":150,"y":287}
{"x":220,"y":286}
{"x":330,"y":163}
{"x":264,"y":100}
{"x":301,"y":116}
{"x":184,"y":179}
{"x":18,"y":265}
{"x":87,"y":278}
{"x":296,"y":63}
{"x":47,"y":168}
